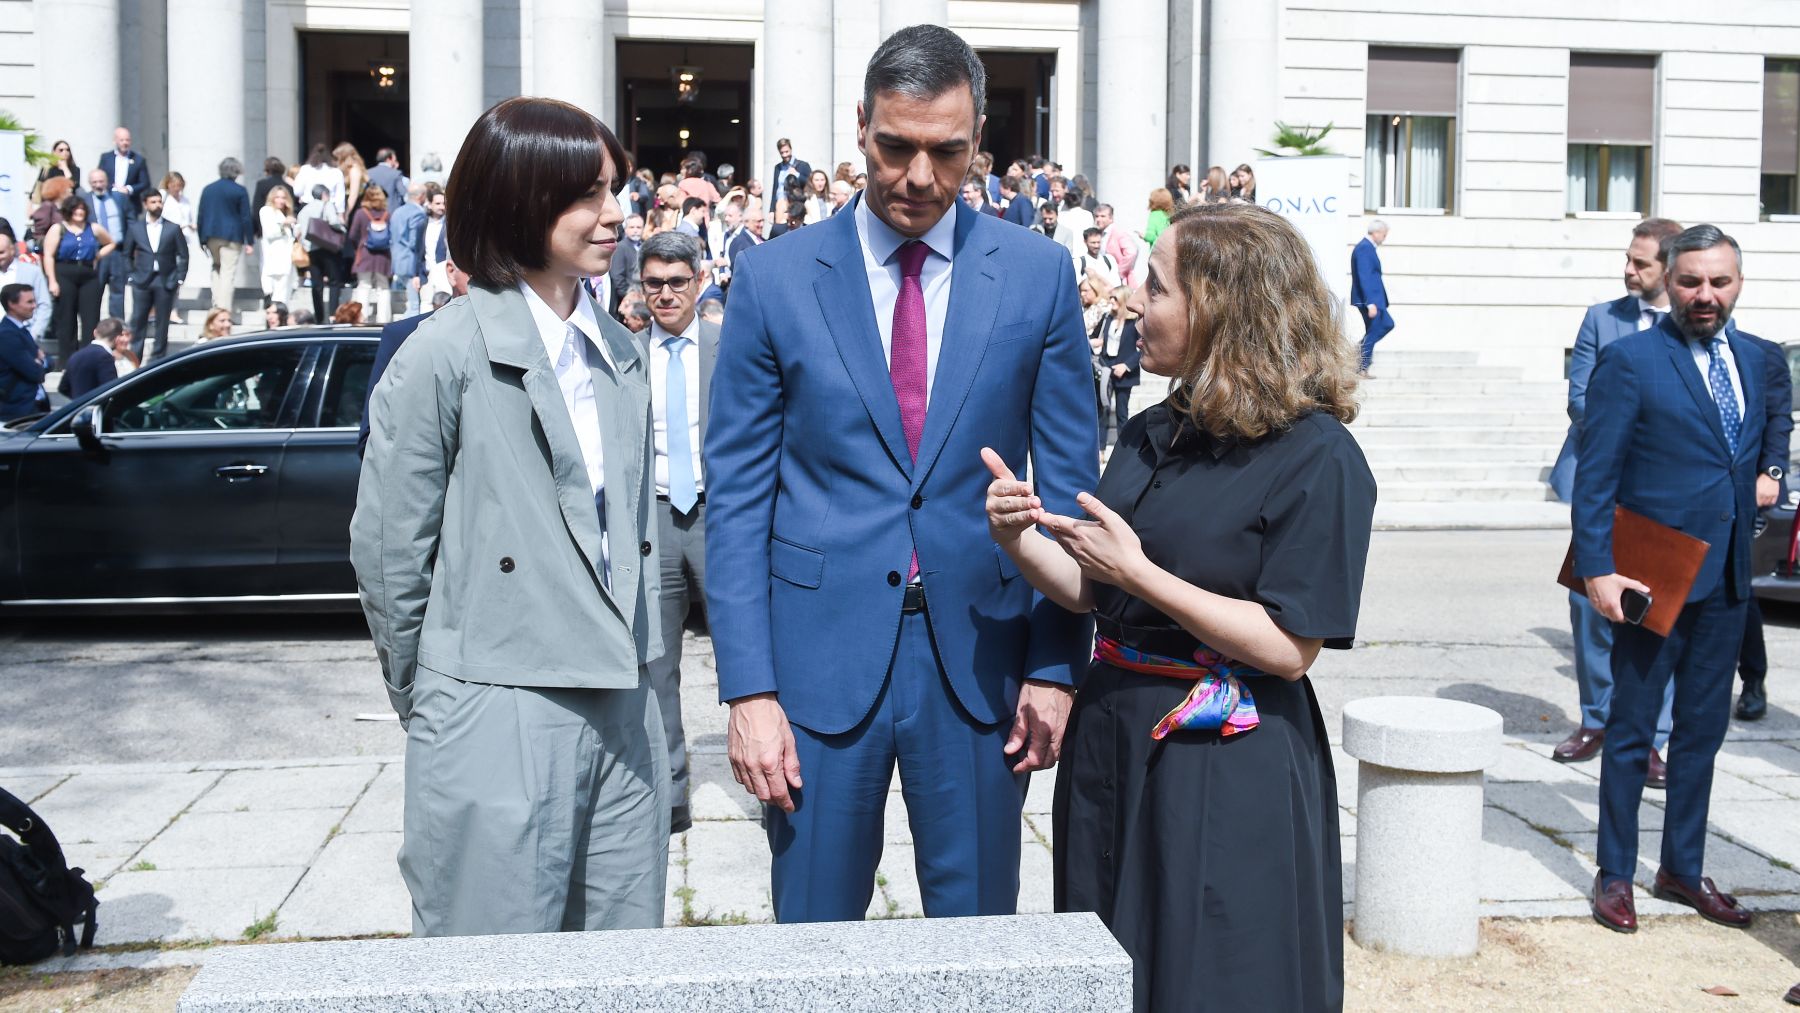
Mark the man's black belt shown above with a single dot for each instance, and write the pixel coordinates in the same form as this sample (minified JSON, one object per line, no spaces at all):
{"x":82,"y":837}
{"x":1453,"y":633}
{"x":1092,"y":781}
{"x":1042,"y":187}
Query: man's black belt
{"x":914,"y":602}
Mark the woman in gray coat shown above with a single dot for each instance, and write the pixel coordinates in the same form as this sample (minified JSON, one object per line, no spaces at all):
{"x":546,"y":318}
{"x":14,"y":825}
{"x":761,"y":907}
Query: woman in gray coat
{"x":504,"y":545}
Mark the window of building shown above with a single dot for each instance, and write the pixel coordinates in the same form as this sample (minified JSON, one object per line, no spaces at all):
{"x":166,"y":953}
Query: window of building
{"x":1612,"y":118}
{"x":1781,"y":137}
{"x":1409,"y":146}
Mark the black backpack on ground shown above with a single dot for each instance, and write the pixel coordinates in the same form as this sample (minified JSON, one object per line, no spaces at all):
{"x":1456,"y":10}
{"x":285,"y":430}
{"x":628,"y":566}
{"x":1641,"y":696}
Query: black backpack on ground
{"x":41,"y":898}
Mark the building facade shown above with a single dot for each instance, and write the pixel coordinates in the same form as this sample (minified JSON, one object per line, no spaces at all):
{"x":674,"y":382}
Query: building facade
{"x":1510,"y":143}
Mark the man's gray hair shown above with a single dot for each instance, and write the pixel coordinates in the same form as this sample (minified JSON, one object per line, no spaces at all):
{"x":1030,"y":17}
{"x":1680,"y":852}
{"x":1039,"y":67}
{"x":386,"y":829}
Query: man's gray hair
{"x":1377,"y":225}
{"x":924,"y":61}
{"x":1699,"y":237}
{"x":230,"y":168}
{"x":671,"y":248}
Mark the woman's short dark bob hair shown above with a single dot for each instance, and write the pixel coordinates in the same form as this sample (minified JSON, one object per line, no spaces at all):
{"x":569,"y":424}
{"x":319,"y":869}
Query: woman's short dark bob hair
{"x":524,"y":162}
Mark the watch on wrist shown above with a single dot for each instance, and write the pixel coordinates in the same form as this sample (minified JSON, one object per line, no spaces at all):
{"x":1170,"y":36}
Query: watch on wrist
{"x":1774,"y":471}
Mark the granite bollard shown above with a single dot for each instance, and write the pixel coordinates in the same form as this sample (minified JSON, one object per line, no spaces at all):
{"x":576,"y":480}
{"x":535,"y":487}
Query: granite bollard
{"x":1024,"y":962}
{"x":1418,"y":821}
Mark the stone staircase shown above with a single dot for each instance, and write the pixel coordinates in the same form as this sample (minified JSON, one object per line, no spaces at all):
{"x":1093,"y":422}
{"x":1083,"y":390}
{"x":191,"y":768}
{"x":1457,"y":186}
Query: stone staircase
{"x":1437,"y":427}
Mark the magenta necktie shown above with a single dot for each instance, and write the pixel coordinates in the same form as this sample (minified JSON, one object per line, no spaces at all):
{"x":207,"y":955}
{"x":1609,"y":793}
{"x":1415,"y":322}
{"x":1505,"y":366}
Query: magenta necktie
{"x":906,"y":361}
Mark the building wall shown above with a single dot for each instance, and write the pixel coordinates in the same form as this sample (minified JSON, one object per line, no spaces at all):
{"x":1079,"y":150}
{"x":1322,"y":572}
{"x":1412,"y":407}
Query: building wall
{"x":18,"y":61}
{"x":1509,"y":273}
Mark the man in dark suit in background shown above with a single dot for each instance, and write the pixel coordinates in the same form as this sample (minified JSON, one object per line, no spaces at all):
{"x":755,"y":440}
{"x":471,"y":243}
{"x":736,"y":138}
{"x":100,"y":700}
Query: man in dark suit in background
{"x":127,"y":172}
{"x":110,"y":210}
{"x":788,"y":166}
{"x":1020,"y":209}
{"x":1642,"y":307}
{"x":21,"y":360}
{"x":1771,"y":472}
{"x":155,"y":256}
{"x":751,"y":235}
{"x":386,"y":174}
{"x":1667,"y":435}
{"x":393,"y":336}
{"x":224,"y":225}
{"x":1367,"y":291}
{"x":95,"y":364}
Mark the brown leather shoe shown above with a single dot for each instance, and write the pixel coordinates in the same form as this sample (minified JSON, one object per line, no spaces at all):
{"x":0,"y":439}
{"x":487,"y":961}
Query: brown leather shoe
{"x":1581,"y":745}
{"x":1613,"y":906}
{"x":1713,"y":905}
{"x":1658,"y":776}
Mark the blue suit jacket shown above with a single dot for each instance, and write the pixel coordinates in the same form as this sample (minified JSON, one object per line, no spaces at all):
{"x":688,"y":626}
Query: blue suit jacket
{"x":20,"y":370}
{"x":815,"y":505}
{"x":1366,"y":288}
{"x":408,"y":223}
{"x":392,"y":337}
{"x":1020,"y":211}
{"x":137,"y":176}
{"x":225,"y":212}
{"x":1778,"y":407}
{"x":1652,"y":442}
{"x":1604,"y":324}
{"x":121,"y":209}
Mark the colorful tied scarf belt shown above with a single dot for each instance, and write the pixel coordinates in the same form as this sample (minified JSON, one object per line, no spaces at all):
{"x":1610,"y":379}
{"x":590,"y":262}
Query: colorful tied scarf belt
{"x":1219,"y":700}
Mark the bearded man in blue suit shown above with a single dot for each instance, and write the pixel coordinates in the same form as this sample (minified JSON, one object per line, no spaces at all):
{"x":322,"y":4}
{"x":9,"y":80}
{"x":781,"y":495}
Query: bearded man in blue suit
{"x":861,"y":614}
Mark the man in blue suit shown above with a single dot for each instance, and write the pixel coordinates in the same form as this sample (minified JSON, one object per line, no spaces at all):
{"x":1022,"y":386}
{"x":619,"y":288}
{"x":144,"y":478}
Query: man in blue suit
{"x":408,"y":223}
{"x":1644,"y":304}
{"x":1020,"y":210}
{"x":112,"y":211}
{"x":127,"y":172}
{"x":1367,"y":293}
{"x":21,"y":360}
{"x":853,"y":590}
{"x":1771,"y":471}
{"x":224,"y":221}
{"x":1673,"y":431}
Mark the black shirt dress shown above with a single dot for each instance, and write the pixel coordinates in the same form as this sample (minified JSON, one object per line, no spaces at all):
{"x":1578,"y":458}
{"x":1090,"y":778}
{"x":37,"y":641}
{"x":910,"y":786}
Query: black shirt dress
{"x":1214,"y":859}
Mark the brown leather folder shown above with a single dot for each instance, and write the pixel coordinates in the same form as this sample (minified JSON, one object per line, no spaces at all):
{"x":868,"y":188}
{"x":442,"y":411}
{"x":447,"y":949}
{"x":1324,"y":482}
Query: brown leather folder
{"x":1658,"y":555}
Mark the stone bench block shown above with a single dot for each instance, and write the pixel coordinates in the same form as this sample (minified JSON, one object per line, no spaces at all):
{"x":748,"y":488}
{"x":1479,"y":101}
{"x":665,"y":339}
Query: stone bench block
{"x":1066,"y":962}
{"x":1418,"y":821}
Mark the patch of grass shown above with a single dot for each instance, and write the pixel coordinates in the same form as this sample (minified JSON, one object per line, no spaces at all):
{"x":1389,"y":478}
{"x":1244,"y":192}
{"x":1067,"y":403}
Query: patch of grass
{"x":143,"y":866}
{"x":261,"y":927}
{"x":685,"y":894}
{"x":336,"y":829}
{"x":241,"y":809}
{"x":1779,"y":864}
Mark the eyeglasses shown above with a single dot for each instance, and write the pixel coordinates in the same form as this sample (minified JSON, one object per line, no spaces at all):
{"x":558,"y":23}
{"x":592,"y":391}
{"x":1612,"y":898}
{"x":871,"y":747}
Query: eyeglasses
{"x":672,"y":284}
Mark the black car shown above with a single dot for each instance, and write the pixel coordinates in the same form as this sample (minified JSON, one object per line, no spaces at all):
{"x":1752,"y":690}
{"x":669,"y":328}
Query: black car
{"x":1774,"y":574}
{"x":222,"y":477}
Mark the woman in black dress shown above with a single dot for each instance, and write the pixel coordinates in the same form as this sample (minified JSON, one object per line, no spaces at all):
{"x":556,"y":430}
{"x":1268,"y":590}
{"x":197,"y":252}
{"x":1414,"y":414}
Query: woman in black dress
{"x":1196,"y":806}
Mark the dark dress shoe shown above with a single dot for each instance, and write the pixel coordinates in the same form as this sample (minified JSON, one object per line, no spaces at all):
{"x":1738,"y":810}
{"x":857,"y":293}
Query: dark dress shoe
{"x":1793,"y":996}
{"x":1613,"y":906}
{"x":1658,"y":775}
{"x":1581,"y":745}
{"x":1713,"y":905}
{"x":1752,"y":703}
{"x":681,"y":820}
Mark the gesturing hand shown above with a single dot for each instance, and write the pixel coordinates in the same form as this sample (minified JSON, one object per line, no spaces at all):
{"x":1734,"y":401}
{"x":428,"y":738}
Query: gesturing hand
{"x":761,"y":747}
{"x":1105,"y":548}
{"x":1011,"y":507}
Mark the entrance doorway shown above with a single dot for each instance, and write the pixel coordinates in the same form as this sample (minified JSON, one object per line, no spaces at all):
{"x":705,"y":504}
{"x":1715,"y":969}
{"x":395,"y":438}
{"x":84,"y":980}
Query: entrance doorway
{"x":665,"y":117}
{"x":1018,"y":104}
{"x":344,"y":96}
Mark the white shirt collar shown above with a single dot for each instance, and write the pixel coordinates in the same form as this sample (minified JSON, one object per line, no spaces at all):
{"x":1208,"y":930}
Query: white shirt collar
{"x":552,"y":328}
{"x":660,"y":336}
{"x":883,"y":242}
{"x":1645,"y":307}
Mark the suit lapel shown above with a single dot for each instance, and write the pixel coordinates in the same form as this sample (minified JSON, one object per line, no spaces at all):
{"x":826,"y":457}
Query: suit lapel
{"x":1625,"y":313}
{"x":1682,"y":357}
{"x":709,"y":357}
{"x":512,"y":340}
{"x":968,"y":324}
{"x":845,"y":301}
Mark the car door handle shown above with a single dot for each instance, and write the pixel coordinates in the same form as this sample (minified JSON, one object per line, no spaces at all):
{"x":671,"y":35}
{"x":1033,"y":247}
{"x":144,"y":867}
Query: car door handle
{"x":240,"y":472}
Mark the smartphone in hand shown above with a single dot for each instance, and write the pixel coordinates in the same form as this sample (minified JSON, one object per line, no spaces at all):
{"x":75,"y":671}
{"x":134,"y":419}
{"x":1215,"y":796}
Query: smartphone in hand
{"x":1636,"y":605}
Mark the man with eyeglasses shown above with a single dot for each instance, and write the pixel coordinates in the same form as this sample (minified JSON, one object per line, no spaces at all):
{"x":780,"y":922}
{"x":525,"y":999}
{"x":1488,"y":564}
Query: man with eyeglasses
{"x":683,"y":349}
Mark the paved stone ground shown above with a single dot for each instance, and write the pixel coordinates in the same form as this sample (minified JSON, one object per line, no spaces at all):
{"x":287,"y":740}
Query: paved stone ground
{"x":305,"y":848}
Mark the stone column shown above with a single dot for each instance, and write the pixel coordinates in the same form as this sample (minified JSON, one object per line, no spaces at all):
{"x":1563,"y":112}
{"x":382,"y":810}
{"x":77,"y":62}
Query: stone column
{"x":445,"y":88}
{"x":79,"y":103}
{"x":1133,"y":77}
{"x":797,"y":83}
{"x":206,"y":95}
{"x":568,"y":57}
{"x":898,"y":14}
{"x":1243,"y":83}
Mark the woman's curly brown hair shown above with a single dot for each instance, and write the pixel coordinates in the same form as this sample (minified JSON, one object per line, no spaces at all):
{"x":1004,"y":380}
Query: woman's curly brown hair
{"x":1266,"y":343}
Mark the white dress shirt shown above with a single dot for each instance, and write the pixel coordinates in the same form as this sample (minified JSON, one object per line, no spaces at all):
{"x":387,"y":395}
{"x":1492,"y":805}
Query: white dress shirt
{"x":21,"y":273}
{"x":659,"y":400}
{"x":121,"y":169}
{"x":576,"y":381}
{"x":880,"y":243}
{"x":1647,"y":314}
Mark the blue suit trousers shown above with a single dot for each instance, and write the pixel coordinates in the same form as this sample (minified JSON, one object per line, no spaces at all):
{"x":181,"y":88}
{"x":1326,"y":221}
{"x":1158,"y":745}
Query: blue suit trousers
{"x":1593,"y":669}
{"x":1699,"y":656}
{"x":962,"y":800}
{"x":1373,"y":331}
